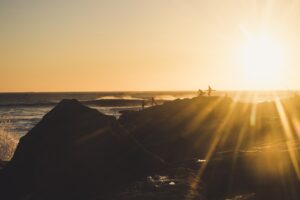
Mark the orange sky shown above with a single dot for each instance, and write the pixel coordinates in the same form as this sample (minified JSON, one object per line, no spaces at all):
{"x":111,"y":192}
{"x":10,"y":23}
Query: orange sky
{"x":141,"y":45}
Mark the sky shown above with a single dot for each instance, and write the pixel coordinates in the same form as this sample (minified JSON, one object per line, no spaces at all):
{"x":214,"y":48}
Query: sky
{"x":140,"y":45}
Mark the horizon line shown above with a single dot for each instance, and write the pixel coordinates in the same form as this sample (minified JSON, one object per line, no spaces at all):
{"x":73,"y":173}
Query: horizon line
{"x":118,"y":91}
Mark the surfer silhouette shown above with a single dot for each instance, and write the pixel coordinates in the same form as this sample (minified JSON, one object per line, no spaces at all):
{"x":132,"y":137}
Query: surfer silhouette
{"x":153,"y":101}
{"x":143,"y":105}
{"x":210,"y":90}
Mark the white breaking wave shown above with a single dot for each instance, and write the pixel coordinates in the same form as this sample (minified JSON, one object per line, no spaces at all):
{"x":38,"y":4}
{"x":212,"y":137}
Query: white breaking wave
{"x":8,"y":144}
{"x":166,"y":97}
{"x":125,"y":97}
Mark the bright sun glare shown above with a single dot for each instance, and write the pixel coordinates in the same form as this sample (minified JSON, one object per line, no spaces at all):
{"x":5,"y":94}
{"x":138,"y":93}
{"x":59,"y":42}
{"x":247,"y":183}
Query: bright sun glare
{"x":262,"y":63}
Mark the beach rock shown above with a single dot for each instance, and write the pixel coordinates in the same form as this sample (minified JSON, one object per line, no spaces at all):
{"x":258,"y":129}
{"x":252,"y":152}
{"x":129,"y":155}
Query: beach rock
{"x":75,"y":152}
{"x":226,"y":131}
{"x":181,"y":129}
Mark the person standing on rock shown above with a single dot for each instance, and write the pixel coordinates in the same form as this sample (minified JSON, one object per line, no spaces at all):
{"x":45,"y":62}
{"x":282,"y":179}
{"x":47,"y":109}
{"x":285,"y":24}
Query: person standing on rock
{"x":200,"y":93}
{"x":143,"y":105}
{"x":210,"y":90}
{"x":153,"y":101}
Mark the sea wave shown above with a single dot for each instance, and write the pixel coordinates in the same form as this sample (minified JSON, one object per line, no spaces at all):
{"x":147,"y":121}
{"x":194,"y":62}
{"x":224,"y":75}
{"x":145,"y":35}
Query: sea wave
{"x":113,"y":101}
{"x":124,"y":97}
{"x":8,"y":144}
{"x":38,"y":104}
{"x":167,"y":97}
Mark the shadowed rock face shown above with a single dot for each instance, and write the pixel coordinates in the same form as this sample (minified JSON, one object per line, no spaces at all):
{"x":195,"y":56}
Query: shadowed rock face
{"x":74,"y":153}
{"x":185,"y":129}
{"x":3,"y":164}
{"x":181,"y":129}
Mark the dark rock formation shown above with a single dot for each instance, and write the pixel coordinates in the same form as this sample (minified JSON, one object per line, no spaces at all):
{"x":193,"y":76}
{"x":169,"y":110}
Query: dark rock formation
{"x":186,"y":129}
{"x":215,"y":147}
{"x":181,"y":129}
{"x":3,"y":164}
{"x":75,"y":153}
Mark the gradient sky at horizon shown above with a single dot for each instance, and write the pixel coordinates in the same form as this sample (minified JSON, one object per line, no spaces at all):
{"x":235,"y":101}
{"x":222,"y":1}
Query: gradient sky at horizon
{"x":139,"y":45}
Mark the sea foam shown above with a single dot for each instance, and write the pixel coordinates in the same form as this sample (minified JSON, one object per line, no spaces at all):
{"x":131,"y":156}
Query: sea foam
{"x":8,"y":144}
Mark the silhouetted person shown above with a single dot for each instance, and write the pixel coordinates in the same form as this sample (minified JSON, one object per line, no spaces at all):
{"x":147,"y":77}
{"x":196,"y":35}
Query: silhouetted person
{"x":200,"y":93}
{"x":153,"y":101}
{"x":209,"y":91}
{"x":143,"y":105}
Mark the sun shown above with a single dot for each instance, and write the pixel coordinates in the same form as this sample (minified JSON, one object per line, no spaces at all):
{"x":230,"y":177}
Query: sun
{"x":262,"y":60}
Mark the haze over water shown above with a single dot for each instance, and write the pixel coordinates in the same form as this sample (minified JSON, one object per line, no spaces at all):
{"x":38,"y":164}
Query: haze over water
{"x":19,"y":112}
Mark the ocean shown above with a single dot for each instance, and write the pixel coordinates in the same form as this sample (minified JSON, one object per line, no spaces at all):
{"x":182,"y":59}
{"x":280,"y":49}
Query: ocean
{"x":19,"y":112}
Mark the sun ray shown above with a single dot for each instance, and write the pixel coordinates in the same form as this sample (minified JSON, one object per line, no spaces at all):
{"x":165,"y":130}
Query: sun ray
{"x":202,"y":115}
{"x":221,"y":130}
{"x":289,"y":135}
